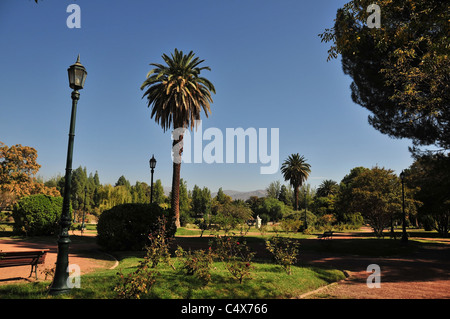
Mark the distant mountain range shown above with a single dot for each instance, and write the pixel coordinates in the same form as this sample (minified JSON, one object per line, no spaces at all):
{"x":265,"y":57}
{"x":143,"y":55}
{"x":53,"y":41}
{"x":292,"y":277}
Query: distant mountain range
{"x":242,"y":195}
{"x":233,"y":194}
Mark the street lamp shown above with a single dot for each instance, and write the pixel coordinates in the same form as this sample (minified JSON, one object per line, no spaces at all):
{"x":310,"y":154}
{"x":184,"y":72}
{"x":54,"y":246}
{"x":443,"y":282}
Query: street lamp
{"x":404,"y":235}
{"x":84,"y":211}
{"x":306,"y":224}
{"x":152,"y":167}
{"x":77,"y":77}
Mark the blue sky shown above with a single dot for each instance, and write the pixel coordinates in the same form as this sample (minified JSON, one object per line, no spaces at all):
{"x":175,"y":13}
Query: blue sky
{"x":267,"y":64}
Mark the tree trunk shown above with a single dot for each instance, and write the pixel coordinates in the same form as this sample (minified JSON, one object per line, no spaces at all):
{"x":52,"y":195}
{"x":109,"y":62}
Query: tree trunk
{"x":176,"y":186}
{"x":296,"y":189}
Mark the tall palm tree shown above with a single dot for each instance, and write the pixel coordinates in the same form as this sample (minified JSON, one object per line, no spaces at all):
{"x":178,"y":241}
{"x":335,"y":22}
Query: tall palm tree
{"x":177,"y":95}
{"x":296,"y":171}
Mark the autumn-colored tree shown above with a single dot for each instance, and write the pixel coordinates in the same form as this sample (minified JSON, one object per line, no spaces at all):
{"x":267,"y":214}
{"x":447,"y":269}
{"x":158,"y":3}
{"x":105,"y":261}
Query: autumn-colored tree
{"x":18,"y":168}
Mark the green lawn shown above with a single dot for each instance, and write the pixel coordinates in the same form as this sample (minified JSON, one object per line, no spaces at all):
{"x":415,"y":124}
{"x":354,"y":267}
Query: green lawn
{"x":268,"y":281}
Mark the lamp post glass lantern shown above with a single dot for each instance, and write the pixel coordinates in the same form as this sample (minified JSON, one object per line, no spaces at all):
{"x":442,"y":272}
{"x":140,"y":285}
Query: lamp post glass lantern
{"x":77,"y":76}
{"x":152,"y":167}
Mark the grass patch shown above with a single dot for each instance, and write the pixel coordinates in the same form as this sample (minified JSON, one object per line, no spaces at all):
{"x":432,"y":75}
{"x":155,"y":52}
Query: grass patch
{"x":268,"y":281}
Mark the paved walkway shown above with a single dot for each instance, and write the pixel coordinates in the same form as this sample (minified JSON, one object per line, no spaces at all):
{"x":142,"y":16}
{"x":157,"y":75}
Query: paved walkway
{"x":87,"y":256}
{"x":425,"y":274}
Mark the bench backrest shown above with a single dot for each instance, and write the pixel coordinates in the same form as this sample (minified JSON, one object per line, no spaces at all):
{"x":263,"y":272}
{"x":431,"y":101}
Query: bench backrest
{"x":21,"y":258}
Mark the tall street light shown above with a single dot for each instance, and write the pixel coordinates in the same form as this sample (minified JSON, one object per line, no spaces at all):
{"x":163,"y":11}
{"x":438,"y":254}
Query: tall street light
{"x":84,"y":211}
{"x":152,"y":167}
{"x":306,"y":224}
{"x":404,"y":234}
{"x":77,"y":77}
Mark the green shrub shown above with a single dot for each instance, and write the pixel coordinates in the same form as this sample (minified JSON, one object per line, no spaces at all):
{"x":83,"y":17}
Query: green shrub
{"x":37,"y":215}
{"x":158,"y":248}
{"x":197,"y":263}
{"x":136,"y":284}
{"x":236,"y":255}
{"x":291,"y":224}
{"x":284,"y":251}
{"x":127,"y":226}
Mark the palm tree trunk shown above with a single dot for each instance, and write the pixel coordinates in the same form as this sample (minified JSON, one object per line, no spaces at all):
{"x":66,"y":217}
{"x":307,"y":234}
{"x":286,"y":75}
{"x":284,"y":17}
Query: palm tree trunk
{"x":175,"y":203}
{"x":296,"y":189}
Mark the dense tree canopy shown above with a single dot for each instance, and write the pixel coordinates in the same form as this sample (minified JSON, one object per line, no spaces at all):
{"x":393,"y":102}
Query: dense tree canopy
{"x":430,"y":174}
{"x":400,"y":71}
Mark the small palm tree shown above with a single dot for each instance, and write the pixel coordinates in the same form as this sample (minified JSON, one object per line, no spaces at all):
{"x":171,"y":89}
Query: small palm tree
{"x":177,"y":96}
{"x":296,"y":171}
{"x":327,"y":187}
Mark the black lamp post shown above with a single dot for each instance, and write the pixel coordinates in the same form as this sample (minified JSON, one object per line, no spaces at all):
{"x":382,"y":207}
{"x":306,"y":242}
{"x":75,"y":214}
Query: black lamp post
{"x":306,"y":224}
{"x":77,"y":77}
{"x":84,"y":211}
{"x":404,"y":234}
{"x":152,"y":167}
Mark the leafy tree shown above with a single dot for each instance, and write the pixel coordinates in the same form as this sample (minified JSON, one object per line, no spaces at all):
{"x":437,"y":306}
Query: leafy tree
{"x":343,"y":210}
{"x":140,"y":193}
{"x":177,"y":95}
{"x":271,"y":209}
{"x":296,"y":171}
{"x":401,"y":70}
{"x":79,"y":182}
{"x":285,"y":195}
{"x":201,"y":201}
{"x":18,"y":168}
{"x":230,"y":215}
{"x":111,"y":196}
{"x":37,"y":215}
{"x":158,"y":193}
{"x":431,"y":175}
{"x":254,"y":202}
{"x":274,"y":189}
{"x":6,"y":200}
{"x":376,"y":193}
{"x":96,"y":179}
{"x":222,"y":198}
{"x":122,"y":181}
{"x":197,"y":200}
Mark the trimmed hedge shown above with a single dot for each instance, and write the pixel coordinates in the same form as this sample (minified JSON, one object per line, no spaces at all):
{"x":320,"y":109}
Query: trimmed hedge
{"x":37,"y":215}
{"x":126,"y":226}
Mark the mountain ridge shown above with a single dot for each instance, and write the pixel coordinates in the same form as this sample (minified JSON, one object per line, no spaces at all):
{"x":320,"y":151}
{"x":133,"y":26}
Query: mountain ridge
{"x":242,"y":195}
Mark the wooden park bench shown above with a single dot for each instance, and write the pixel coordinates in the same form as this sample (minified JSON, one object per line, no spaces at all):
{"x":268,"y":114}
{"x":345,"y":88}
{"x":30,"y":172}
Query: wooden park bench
{"x":23,"y":258}
{"x":326,"y":235}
